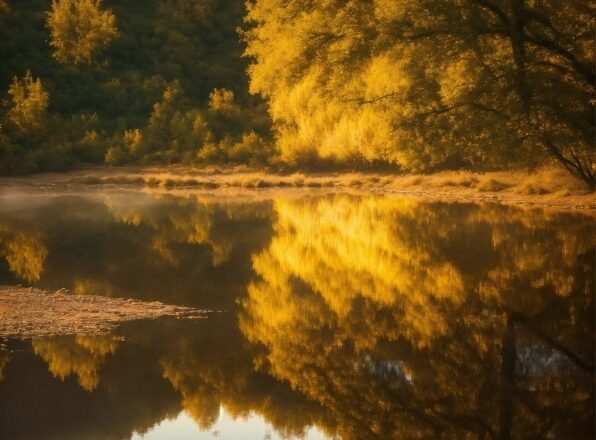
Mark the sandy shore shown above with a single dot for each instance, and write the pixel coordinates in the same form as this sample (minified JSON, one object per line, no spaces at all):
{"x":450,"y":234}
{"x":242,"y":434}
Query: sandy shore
{"x":28,"y":312}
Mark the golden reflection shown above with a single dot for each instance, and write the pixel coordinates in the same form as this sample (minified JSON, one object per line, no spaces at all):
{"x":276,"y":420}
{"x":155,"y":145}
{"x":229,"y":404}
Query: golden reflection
{"x":89,"y":286}
{"x":398,"y":316}
{"x":79,"y":355}
{"x":369,"y":317}
{"x":212,"y":369}
{"x":344,"y":248}
{"x":24,"y":250}
{"x":190,"y":222}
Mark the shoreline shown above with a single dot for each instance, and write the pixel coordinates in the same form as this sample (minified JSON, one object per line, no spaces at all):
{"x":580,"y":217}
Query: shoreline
{"x":547,"y":187}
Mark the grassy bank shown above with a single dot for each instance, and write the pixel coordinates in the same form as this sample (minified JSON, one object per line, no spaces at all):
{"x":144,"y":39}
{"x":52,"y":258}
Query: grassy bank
{"x":546,"y":186}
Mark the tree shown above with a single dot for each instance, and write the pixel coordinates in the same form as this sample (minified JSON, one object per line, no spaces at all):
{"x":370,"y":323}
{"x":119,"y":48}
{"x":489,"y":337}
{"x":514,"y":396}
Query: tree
{"x":79,"y":30}
{"x":416,"y":82}
{"x":29,"y":104}
{"x":222,"y":100}
{"x":174,"y":128}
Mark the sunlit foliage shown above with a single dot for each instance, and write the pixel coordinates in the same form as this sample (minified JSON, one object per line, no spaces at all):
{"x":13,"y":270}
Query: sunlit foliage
{"x":422,"y":83}
{"x":222,"y":100}
{"x":80,"y":30}
{"x":28,"y":104}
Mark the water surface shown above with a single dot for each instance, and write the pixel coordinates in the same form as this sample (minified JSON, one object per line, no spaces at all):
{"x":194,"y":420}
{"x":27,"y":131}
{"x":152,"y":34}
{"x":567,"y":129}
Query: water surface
{"x":338,"y":316}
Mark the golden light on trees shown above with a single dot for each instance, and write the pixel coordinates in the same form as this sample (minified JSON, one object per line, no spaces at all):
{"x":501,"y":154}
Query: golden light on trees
{"x":28,"y":104}
{"x":420,"y":82}
{"x":80,"y":30}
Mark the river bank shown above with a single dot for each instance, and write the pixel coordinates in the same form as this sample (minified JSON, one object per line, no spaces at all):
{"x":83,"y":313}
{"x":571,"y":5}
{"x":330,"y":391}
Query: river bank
{"x":546,"y":187}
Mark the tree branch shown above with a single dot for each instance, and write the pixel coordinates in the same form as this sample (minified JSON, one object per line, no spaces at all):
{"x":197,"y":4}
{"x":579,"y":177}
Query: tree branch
{"x":588,"y":74}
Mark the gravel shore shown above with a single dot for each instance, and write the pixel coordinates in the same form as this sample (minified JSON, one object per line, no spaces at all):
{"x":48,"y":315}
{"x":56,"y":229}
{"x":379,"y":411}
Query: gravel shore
{"x":28,"y":312}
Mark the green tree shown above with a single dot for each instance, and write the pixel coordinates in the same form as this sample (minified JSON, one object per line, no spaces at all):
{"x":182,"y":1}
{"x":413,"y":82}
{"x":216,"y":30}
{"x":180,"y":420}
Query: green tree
{"x":79,"y":30}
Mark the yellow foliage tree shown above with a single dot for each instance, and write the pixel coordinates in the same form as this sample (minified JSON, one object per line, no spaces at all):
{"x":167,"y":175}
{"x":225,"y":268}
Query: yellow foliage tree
{"x":79,"y":30}
{"x":420,"y":82}
{"x":222,"y":100}
{"x":28,"y":104}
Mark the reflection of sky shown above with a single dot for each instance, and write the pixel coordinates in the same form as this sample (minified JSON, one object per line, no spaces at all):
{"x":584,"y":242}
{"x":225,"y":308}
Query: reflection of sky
{"x":539,"y":360}
{"x":226,"y":428}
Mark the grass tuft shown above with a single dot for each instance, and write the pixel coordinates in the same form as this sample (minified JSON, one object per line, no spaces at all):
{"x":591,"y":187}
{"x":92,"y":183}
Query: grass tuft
{"x":492,"y":185}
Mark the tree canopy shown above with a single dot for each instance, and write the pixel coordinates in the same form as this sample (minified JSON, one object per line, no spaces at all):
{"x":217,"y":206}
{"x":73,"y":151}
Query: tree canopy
{"x":417,"y":82}
{"x":28,"y":104}
{"x":123,"y":82}
{"x":79,"y":29}
{"x":414,"y":84}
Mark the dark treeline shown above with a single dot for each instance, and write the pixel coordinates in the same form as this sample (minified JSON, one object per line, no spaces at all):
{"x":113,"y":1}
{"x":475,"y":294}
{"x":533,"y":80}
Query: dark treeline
{"x":418,"y":84}
{"x":124,"y":81}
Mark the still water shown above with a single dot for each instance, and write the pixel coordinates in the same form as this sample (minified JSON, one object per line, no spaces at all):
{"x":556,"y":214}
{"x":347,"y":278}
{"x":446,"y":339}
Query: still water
{"x":335,"y":316}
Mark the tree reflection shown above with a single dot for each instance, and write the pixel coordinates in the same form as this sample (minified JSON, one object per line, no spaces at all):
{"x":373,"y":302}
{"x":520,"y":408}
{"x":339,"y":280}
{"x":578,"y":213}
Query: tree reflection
{"x":128,"y":393}
{"x":369,"y":317}
{"x":187,"y":221}
{"x":24,"y":250}
{"x":214,"y":366}
{"x":398,"y":316}
{"x":79,"y":355}
{"x":191,"y":252}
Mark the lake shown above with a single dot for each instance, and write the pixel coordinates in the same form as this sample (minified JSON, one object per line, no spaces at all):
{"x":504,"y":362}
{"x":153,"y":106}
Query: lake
{"x":331,"y":316}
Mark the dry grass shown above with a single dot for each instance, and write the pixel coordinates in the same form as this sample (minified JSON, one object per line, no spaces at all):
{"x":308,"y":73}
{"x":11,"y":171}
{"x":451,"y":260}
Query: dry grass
{"x":493,"y":185}
{"x":540,"y":182}
{"x":552,"y":186}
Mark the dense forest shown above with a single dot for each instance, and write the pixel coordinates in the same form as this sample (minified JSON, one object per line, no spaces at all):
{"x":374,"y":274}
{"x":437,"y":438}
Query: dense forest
{"x":415,"y":84}
{"x":126,"y":82}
